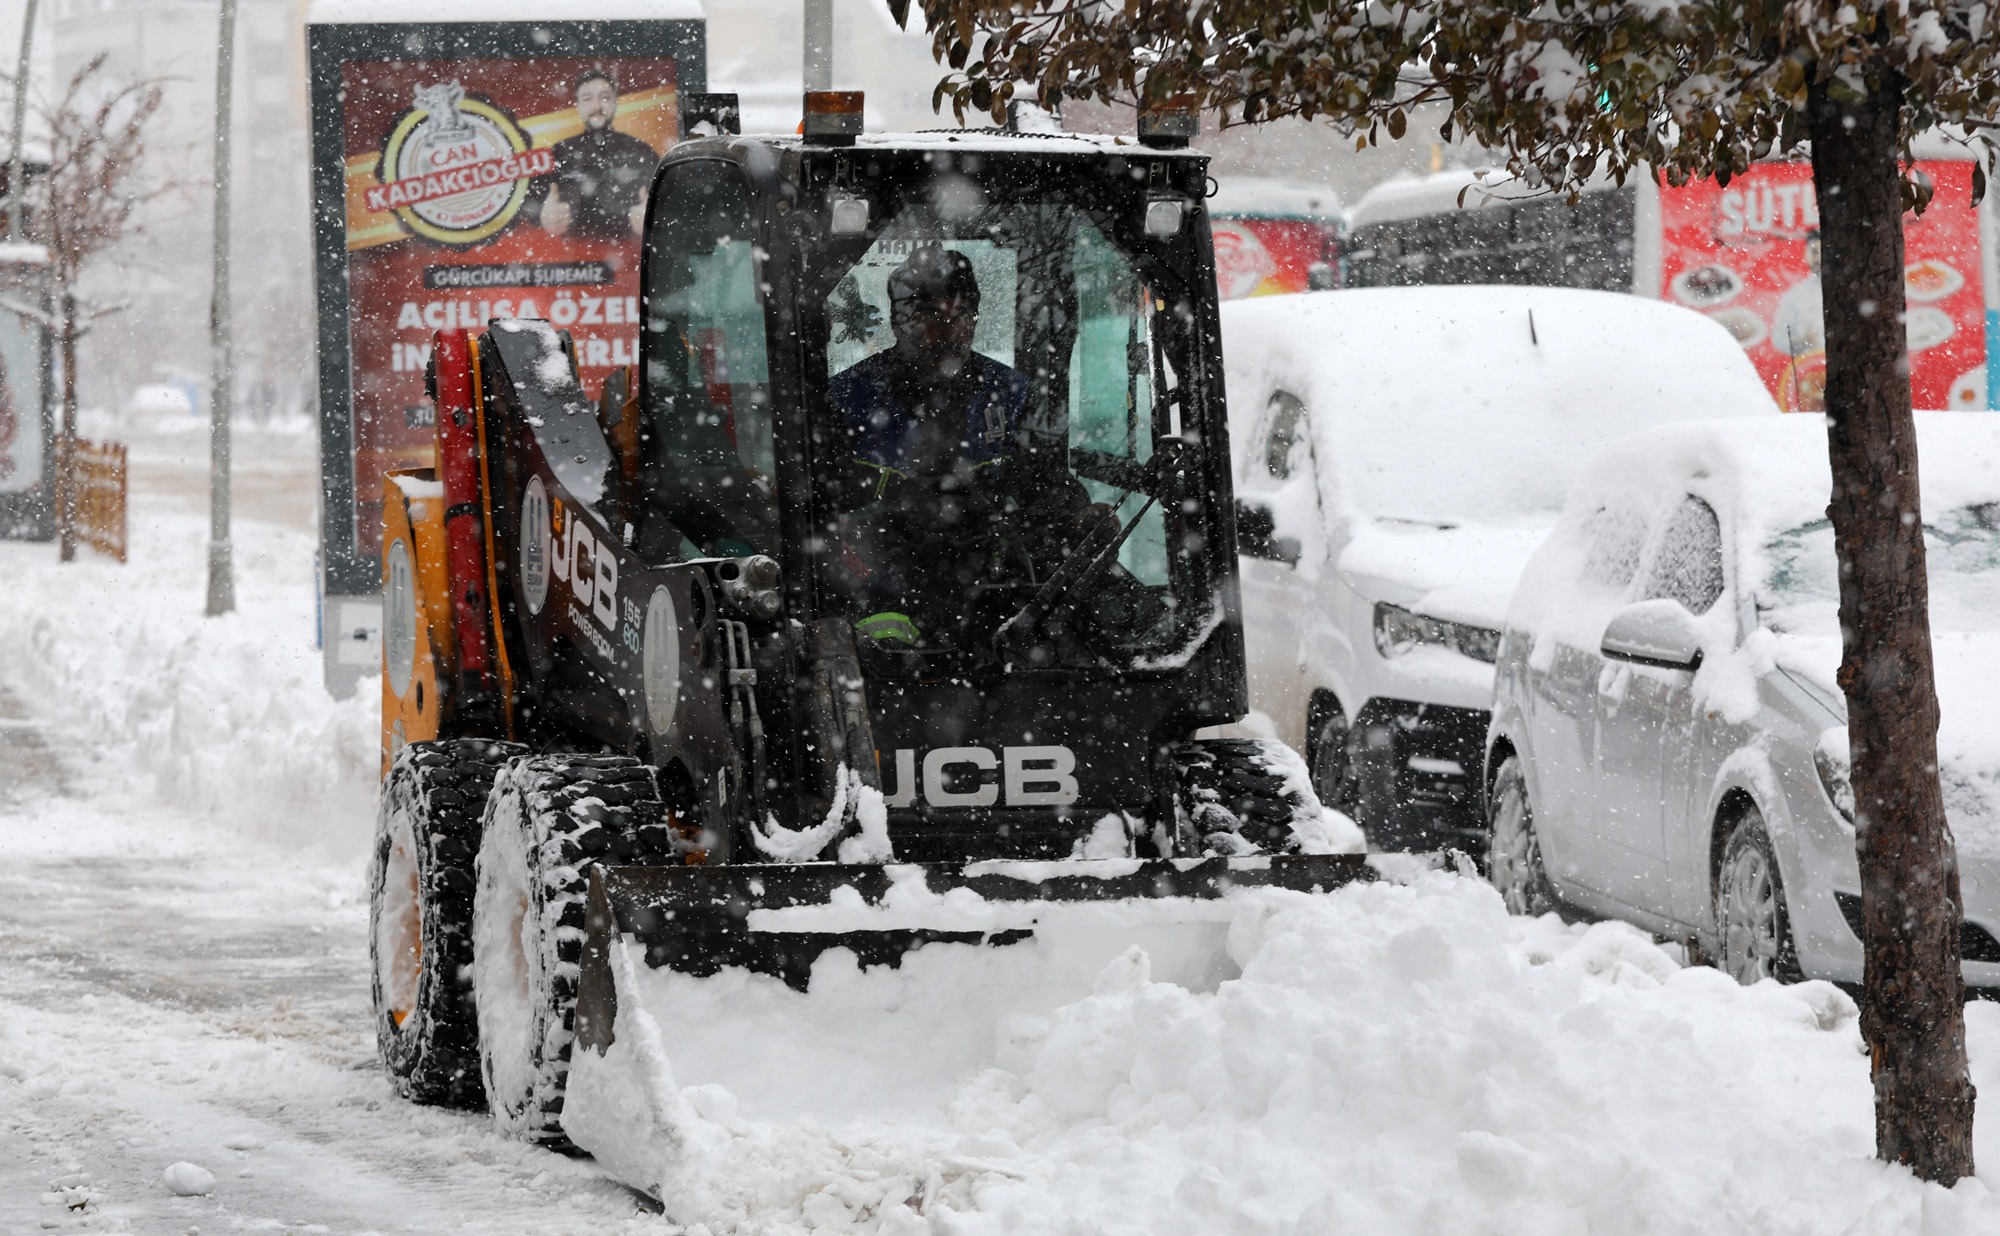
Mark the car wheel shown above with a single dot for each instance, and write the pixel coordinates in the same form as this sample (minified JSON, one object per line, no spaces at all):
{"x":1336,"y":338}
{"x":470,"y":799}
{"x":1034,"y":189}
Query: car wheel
{"x":1513,"y":851}
{"x":1750,"y":918}
{"x":1332,"y":776}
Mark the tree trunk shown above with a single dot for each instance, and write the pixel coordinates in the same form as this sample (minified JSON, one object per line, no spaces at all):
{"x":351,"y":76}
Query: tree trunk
{"x":1913,"y":997}
{"x":66,"y":438}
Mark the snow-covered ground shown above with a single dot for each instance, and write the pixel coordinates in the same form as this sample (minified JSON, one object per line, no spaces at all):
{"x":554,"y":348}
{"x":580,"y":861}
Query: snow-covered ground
{"x":183,"y":979}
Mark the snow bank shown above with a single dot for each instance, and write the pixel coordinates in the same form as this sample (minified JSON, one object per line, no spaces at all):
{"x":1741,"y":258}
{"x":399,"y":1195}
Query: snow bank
{"x":224,"y":718}
{"x":1388,"y":1059}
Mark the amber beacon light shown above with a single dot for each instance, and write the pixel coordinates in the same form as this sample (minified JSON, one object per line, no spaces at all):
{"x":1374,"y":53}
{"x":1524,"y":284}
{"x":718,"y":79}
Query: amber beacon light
{"x":833,"y":117}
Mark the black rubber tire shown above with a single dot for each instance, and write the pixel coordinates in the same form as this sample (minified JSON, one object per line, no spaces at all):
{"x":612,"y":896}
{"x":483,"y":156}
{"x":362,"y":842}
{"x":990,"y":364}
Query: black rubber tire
{"x":426,"y":837}
{"x":1234,"y":797}
{"x":1517,"y":870}
{"x":1749,"y":852}
{"x":1332,"y":773}
{"x":549,"y":820}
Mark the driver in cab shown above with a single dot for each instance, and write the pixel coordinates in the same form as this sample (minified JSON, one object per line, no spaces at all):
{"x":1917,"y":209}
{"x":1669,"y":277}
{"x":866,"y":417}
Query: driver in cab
{"x":932,"y":486}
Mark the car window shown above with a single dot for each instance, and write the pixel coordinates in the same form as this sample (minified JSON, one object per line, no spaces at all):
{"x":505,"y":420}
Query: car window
{"x":1688,"y":564}
{"x":1288,"y":418}
{"x":1617,"y":540}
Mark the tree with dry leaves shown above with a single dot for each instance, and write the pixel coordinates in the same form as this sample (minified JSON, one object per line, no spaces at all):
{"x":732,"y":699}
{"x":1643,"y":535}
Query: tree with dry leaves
{"x":1568,"y":89}
{"x":83,"y":205}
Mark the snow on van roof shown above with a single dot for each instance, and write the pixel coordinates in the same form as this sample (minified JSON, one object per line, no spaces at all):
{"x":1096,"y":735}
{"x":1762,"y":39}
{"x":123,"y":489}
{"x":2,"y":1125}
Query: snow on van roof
{"x":1252,"y":197}
{"x":338,"y":12}
{"x":1412,"y":197}
{"x":1473,"y":404}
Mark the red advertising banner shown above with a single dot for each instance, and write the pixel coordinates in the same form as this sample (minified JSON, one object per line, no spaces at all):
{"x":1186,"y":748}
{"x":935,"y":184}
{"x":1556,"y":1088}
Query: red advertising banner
{"x":1260,"y":257}
{"x":488,"y":188}
{"x":1748,"y":256}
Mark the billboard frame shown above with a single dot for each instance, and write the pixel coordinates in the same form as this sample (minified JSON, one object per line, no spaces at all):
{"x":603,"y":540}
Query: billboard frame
{"x":329,"y":46}
{"x":30,"y":514}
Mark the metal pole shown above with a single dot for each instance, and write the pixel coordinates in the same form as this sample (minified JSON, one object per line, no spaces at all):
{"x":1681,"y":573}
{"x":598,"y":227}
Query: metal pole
{"x":221,"y":584}
{"x":819,"y":44}
{"x":15,"y":170}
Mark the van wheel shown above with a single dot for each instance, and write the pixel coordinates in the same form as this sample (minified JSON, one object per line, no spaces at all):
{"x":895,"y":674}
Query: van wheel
{"x":1332,"y":774}
{"x":1750,"y":918}
{"x":1513,"y":850}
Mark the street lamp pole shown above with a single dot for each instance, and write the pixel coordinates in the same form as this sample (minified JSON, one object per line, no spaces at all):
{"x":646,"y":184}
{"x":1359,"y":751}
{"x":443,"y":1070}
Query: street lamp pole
{"x":15,"y":165}
{"x":221,"y":582}
{"x":819,"y":44}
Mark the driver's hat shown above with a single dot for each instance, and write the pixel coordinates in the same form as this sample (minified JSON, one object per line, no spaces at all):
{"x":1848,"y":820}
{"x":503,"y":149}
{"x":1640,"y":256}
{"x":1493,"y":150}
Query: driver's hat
{"x":931,"y":274}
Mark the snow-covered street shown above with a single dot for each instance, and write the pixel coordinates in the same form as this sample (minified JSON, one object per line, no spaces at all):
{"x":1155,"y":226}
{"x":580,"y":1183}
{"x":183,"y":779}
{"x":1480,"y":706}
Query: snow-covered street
{"x":183,"y":978}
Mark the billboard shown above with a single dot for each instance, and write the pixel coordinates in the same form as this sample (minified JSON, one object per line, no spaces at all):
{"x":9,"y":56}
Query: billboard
{"x":27,"y":404}
{"x":465,"y":172}
{"x":1256,"y":256}
{"x":1747,"y":255}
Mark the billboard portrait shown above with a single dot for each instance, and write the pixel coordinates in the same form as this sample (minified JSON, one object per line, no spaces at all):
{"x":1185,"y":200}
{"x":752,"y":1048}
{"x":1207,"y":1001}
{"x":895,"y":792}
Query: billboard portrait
{"x":468,"y":173}
{"x":1748,"y":256}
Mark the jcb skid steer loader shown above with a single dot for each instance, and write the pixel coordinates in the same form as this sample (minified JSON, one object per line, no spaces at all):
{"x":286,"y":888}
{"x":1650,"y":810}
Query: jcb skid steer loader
{"x":860,"y":635}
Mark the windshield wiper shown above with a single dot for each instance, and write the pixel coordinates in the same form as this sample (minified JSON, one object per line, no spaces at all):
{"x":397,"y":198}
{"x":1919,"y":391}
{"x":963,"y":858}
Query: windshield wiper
{"x":1015,"y":638}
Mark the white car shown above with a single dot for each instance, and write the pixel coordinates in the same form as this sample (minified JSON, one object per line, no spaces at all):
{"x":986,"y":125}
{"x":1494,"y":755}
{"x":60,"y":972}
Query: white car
{"x":1398,"y":454}
{"x":1669,"y":746}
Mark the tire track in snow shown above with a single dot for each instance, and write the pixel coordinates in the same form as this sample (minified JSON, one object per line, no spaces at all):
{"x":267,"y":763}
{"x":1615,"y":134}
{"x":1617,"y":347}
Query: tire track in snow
{"x":214,"y":1008}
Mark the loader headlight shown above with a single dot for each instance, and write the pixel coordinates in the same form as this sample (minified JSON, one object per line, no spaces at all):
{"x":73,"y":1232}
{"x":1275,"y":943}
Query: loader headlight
{"x":1830,"y":761}
{"x":1398,"y":630}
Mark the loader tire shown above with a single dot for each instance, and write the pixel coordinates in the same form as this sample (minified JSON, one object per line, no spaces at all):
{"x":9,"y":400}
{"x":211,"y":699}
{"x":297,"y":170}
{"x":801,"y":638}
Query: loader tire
{"x":549,"y":819}
{"x":1241,"y":796}
{"x":420,"y":917}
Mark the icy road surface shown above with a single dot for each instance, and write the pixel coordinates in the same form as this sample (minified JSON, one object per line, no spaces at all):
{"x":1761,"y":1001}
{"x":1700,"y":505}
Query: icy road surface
{"x":183,"y":972}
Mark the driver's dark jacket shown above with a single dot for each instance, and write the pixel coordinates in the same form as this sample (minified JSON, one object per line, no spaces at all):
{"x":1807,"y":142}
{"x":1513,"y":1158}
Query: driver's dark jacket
{"x":911,"y":437}
{"x":883,"y":406}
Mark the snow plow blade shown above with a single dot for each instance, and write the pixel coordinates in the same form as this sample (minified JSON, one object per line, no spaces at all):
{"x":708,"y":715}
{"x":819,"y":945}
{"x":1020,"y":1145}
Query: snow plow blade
{"x":719,"y":1006}
{"x":703,"y":920}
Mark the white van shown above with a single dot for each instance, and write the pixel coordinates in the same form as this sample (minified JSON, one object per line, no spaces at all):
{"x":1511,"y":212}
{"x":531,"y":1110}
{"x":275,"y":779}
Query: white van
{"x":1399,"y":453}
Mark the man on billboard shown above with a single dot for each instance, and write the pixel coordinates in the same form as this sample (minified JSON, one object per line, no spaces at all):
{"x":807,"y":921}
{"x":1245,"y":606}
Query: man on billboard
{"x":598,"y":188}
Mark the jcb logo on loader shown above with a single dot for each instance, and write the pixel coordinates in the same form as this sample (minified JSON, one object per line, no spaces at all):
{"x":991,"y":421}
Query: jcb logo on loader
{"x":573,"y":555}
{"x":1030,"y":777}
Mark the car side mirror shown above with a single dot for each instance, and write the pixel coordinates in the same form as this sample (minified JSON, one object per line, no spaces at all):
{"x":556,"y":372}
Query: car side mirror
{"x":1659,"y":633}
{"x":1256,"y":535}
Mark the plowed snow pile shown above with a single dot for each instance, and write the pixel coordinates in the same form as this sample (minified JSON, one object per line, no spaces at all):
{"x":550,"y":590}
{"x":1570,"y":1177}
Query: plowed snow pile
{"x":1395,"y":1058}
{"x":223,"y":716}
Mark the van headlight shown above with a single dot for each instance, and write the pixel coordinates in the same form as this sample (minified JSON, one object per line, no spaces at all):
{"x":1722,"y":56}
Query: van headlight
{"x":1397,"y":630}
{"x":1830,"y":761}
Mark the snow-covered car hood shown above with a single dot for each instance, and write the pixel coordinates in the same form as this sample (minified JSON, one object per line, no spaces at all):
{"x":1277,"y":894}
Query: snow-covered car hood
{"x":1462,"y":574}
{"x":1968,"y":687}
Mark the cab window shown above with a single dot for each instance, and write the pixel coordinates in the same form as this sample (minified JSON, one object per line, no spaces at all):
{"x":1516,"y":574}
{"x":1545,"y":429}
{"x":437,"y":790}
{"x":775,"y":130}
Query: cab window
{"x":707,"y":452}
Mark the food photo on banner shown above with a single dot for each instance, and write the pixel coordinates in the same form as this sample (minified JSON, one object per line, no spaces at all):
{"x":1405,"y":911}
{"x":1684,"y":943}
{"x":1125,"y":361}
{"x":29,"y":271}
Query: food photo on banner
{"x":480,"y":189}
{"x":1748,"y":255}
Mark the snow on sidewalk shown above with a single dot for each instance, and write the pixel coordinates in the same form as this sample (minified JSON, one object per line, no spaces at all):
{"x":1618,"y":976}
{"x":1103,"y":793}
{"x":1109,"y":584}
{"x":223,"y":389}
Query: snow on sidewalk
{"x":1395,"y":1058}
{"x":225,"y":718}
